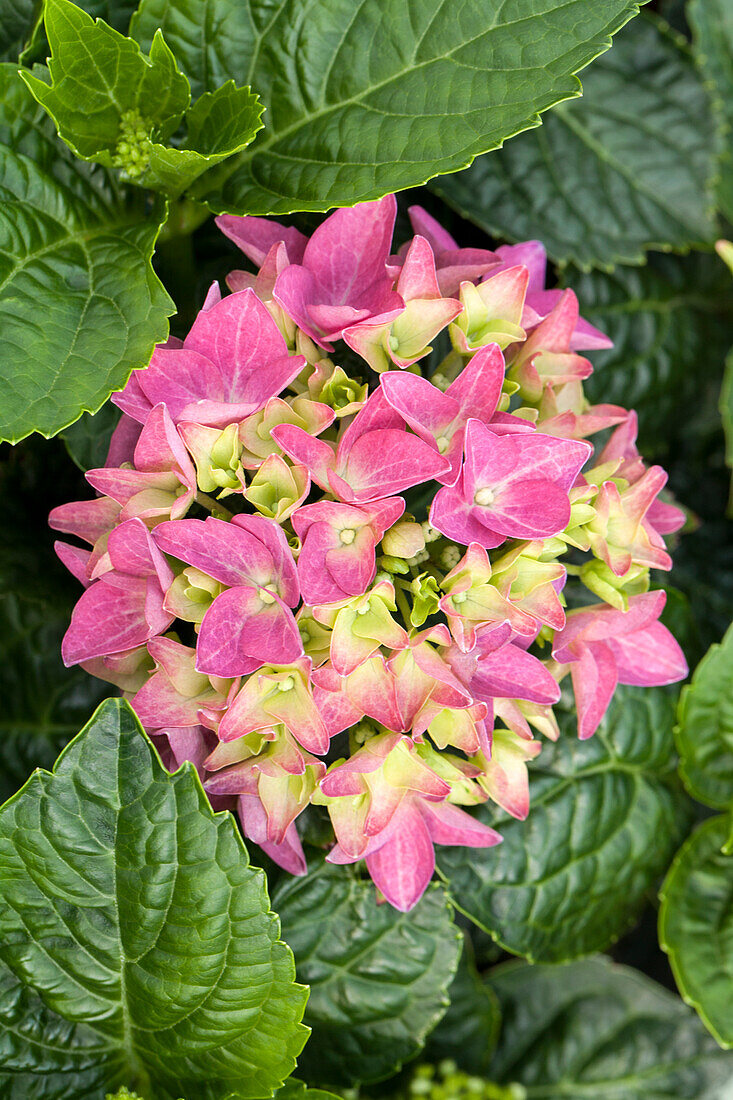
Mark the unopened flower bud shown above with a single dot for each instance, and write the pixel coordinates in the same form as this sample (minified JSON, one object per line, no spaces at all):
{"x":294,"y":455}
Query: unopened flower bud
{"x":404,"y":539}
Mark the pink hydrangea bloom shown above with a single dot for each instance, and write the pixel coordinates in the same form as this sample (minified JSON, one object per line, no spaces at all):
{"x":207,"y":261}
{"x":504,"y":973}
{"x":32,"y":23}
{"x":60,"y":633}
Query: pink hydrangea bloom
{"x":335,"y":589}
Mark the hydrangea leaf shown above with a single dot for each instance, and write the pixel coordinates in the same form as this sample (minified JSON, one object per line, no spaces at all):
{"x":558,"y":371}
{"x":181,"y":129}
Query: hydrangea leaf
{"x":378,"y":977}
{"x":293,"y":1089}
{"x":704,"y":732}
{"x":712,"y":28}
{"x":219,"y":124}
{"x":138,"y":946}
{"x":212,"y":39}
{"x":696,"y":925}
{"x":74,"y":254}
{"x":725,"y":407}
{"x":117,"y":13}
{"x":665,"y":319}
{"x":604,"y":822}
{"x":113,"y":105}
{"x":468,"y":1032}
{"x":365,"y":98}
{"x":88,"y":440}
{"x":16,"y":22}
{"x":600,"y":182}
{"x":44,"y":704}
{"x":592,"y":1029}
{"x":98,"y":76}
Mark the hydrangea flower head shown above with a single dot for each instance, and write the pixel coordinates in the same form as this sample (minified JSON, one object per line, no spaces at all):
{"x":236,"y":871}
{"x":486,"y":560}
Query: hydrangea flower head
{"x":333,"y":544}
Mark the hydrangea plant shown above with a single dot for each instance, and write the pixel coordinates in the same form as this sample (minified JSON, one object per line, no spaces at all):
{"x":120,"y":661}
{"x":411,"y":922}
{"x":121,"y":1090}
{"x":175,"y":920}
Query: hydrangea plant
{"x":328,"y":555}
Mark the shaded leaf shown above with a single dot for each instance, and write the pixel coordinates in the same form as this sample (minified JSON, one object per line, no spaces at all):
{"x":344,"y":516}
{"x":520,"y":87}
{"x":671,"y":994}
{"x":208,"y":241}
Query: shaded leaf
{"x":725,"y":406}
{"x":16,"y":23}
{"x":128,"y":960}
{"x":365,"y":98}
{"x":80,"y":305}
{"x":703,"y":570}
{"x":212,"y":39}
{"x":712,"y":27}
{"x":115,"y":12}
{"x":468,"y":1032}
{"x":87,"y":441}
{"x":603,"y":824}
{"x":665,"y":319}
{"x":696,"y":925}
{"x":592,"y":1029}
{"x":601,"y":181}
{"x":704,"y":733}
{"x":378,"y":977}
{"x":44,"y":704}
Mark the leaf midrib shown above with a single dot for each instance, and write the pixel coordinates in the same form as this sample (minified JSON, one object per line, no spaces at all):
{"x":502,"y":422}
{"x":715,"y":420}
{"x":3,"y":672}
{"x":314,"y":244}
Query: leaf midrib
{"x":81,"y":238}
{"x":306,"y":120}
{"x":605,"y":157}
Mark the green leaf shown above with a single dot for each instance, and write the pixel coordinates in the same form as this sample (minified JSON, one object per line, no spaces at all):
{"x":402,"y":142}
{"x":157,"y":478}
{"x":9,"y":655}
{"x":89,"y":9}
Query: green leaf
{"x":725,"y":407}
{"x":113,"y":105}
{"x":87,"y":441}
{"x":80,"y":305}
{"x":137,"y":941}
{"x":16,"y":24}
{"x":704,"y":733}
{"x":212,"y":39}
{"x":98,"y":76}
{"x":468,"y":1032}
{"x":703,"y":570}
{"x":600,"y":181}
{"x":117,"y":13}
{"x":368,"y":97}
{"x":595,"y":1030}
{"x":378,"y":978}
{"x":293,"y":1089}
{"x":696,"y":925}
{"x":219,"y":124}
{"x":665,"y":319}
{"x":603,"y":824}
{"x":712,"y":27}
{"x":44,"y":704}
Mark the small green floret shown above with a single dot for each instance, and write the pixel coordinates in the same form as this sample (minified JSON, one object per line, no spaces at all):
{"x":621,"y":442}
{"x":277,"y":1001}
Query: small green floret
{"x":446,"y":1082}
{"x":132,"y":152}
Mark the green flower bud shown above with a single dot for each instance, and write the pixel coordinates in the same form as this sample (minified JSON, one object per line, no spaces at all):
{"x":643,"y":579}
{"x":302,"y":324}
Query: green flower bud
{"x":133,"y":149}
{"x":426,"y":598}
{"x":604,"y":583}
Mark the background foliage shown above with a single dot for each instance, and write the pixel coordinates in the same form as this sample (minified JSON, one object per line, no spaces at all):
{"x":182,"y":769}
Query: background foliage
{"x":105,"y":859}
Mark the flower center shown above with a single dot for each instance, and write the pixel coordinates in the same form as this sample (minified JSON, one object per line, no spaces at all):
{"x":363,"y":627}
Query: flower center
{"x":266,"y":597}
{"x":287,"y":684}
{"x":443,"y":443}
{"x":484,"y":497}
{"x":347,"y":536}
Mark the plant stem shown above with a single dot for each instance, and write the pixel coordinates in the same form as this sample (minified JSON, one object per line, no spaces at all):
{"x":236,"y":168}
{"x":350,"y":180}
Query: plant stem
{"x":212,"y":505}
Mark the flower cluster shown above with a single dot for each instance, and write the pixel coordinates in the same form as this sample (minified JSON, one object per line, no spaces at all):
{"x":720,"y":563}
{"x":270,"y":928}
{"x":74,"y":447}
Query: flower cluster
{"x":447,"y":1082}
{"x":328,"y":566}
